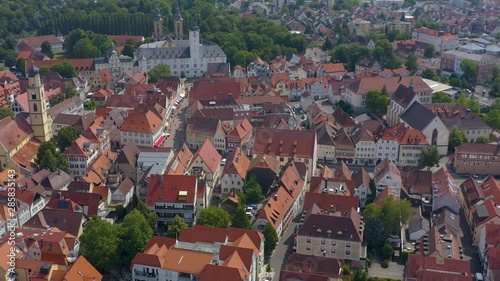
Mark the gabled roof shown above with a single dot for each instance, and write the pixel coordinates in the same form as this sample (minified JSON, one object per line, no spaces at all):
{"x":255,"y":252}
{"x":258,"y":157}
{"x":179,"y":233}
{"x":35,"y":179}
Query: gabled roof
{"x":403,"y":96}
{"x":209,"y":155}
{"x":417,"y":116}
{"x":139,"y":122}
{"x":342,"y":172}
{"x":361,"y":177}
{"x":275,"y":208}
{"x":265,"y":162}
{"x":330,"y":202}
{"x":345,"y":227}
{"x":180,"y":162}
{"x":223,"y":273}
{"x":320,"y":266}
{"x":67,"y":221}
{"x":287,"y":143}
{"x":14,"y":131}
{"x":343,"y":139}
{"x":237,"y":163}
{"x":90,"y":200}
{"x":82,"y":270}
{"x":492,"y":234}
{"x":456,"y":115}
{"x":417,"y":182}
{"x":419,"y":263}
{"x":383,"y":168}
{"x":343,"y":119}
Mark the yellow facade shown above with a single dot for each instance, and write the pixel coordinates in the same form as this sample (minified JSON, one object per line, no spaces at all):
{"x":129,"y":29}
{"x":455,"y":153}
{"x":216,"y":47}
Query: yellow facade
{"x":40,"y":121}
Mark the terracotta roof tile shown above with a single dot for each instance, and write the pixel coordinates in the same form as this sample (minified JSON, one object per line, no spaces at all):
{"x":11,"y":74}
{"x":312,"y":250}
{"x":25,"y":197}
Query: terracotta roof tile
{"x":14,"y":131}
{"x":142,"y":123}
{"x":171,"y":188}
{"x":237,"y":163}
{"x":82,"y":270}
{"x":223,"y":273}
{"x":209,"y":155}
{"x":284,"y":143}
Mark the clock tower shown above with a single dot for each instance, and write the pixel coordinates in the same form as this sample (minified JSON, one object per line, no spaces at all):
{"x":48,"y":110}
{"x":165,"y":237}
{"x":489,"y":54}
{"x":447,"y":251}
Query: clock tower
{"x":41,"y":123}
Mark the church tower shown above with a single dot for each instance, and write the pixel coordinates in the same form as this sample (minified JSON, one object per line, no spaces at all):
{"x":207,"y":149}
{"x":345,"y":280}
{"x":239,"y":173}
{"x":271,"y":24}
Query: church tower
{"x":40,"y":121}
{"x":194,"y":41}
{"x":158,"y":26}
{"x":178,"y":25}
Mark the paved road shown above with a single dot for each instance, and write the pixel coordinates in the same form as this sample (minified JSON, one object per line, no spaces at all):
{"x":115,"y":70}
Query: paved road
{"x":284,"y":248}
{"x":176,"y":127}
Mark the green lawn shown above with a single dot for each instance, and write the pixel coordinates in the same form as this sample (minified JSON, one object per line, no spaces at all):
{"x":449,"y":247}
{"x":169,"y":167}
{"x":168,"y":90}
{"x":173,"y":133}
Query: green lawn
{"x":60,"y":55}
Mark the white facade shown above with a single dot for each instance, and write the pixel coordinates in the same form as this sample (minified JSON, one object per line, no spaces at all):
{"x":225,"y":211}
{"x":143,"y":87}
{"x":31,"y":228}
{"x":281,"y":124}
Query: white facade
{"x":366,"y":152}
{"x":440,"y":40}
{"x":317,"y":90}
{"x":326,"y":152}
{"x":409,"y":155}
{"x":230,"y":181}
{"x":388,"y":148}
{"x":79,"y":165}
{"x":115,"y":63}
{"x":362,"y":192}
{"x":185,"y":57}
{"x":390,"y":180}
{"x":141,"y":139}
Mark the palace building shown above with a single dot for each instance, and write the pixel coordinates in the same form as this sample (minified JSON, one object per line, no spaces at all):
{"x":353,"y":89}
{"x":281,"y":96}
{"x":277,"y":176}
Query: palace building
{"x":186,"y":57}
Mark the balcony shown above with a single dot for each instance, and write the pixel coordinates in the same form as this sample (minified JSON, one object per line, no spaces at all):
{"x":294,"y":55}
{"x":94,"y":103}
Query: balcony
{"x":144,"y":276}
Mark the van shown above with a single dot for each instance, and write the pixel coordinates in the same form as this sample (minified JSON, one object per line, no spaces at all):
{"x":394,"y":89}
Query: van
{"x":223,"y":162}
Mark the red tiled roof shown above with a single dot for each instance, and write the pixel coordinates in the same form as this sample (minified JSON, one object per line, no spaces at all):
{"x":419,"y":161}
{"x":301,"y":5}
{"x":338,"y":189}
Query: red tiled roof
{"x":192,"y":235}
{"x":418,"y":263}
{"x":325,"y":202}
{"x":80,"y":64}
{"x":492,"y":236}
{"x":237,"y":163}
{"x":139,"y":122}
{"x":223,"y":273}
{"x":209,"y":155}
{"x":38,"y":40}
{"x":287,"y":143}
{"x":171,"y":189}
{"x":14,"y":131}
{"x":90,"y":200}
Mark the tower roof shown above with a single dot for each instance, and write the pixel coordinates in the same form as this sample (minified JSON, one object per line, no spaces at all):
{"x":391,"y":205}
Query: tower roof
{"x":33,"y":71}
{"x":194,"y":27}
{"x":158,"y":15}
{"x":177,"y":15}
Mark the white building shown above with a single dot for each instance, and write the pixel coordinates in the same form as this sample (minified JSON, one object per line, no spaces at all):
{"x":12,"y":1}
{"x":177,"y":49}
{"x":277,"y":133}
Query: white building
{"x":386,"y":174}
{"x":143,"y":129}
{"x":188,"y":58}
{"x":366,"y":148}
{"x":116,"y":64}
{"x":234,"y":172}
{"x":442,"y":41}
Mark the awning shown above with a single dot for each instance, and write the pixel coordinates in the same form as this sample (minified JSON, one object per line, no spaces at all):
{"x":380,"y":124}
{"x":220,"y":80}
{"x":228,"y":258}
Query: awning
{"x":159,"y":141}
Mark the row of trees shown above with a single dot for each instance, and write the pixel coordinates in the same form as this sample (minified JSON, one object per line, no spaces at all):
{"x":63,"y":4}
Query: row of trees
{"x":86,"y":44}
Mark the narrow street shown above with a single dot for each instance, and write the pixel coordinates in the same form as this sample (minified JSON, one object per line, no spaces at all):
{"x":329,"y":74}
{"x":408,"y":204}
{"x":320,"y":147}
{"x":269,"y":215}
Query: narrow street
{"x":284,"y":248}
{"x":176,"y":127}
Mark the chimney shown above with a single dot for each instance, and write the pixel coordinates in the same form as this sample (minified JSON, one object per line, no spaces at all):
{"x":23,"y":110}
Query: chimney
{"x":275,"y":197}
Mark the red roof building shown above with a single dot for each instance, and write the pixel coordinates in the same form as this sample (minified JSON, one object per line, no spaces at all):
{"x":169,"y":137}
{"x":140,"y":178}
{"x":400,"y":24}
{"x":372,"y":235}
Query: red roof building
{"x":171,"y":195}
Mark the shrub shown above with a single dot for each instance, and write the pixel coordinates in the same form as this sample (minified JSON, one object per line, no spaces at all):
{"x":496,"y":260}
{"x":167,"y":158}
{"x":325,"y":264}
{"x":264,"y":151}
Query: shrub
{"x":387,"y":251}
{"x":385,"y":264}
{"x":346,"y":269}
{"x":368,"y":262}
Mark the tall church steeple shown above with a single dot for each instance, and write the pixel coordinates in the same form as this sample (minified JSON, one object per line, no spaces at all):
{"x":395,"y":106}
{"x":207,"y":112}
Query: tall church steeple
{"x":40,"y":121}
{"x":178,"y":25}
{"x":158,"y":26}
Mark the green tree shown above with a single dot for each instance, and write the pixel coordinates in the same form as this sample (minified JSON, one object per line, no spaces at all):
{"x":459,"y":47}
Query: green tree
{"x":429,"y":52}
{"x":441,"y":97}
{"x":377,"y":101}
{"x":347,"y":108}
{"x":472,"y":104}
{"x":150,"y":215}
{"x":214,"y":216}
{"x":469,"y":70}
{"x":457,"y":138}
{"x":268,"y":267}
{"x":411,"y":63}
{"x":240,"y":219}
{"x":360,"y":275}
{"x":395,"y":213}
{"x":252,"y":190}
{"x":128,"y":50}
{"x":495,"y":87}
{"x":482,"y":139}
{"x":85,"y":48}
{"x":492,"y":118}
{"x":48,"y":157}
{"x":66,"y":136}
{"x":374,"y":231}
{"x":429,"y":157}
{"x":159,"y":71}
{"x":6,"y":112}
{"x":99,"y":244}
{"x":44,"y":69}
{"x":91,"y":105}
{"x":384,"y":54}
{"x":402,"y":36}
{"x":175,"y":227}
{"x":47,"y":49}
{"x":387,"y":251}
{"x":70,"y":91}
{"x":21,"y":65}
{"x":133,"y":237}
{"x":428,"y":74}
{"x":65,"y":69}
{"x":270,"y":239}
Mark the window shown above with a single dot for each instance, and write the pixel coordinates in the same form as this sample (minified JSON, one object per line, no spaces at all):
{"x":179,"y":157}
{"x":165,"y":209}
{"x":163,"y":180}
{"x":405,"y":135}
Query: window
{"x":347,"y":252}
{"x":322,"y":242}
{"x":308,"y":240}
{"x":308,"y":248}
{"x":33,"y":96}
{"x":35,"y":107}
